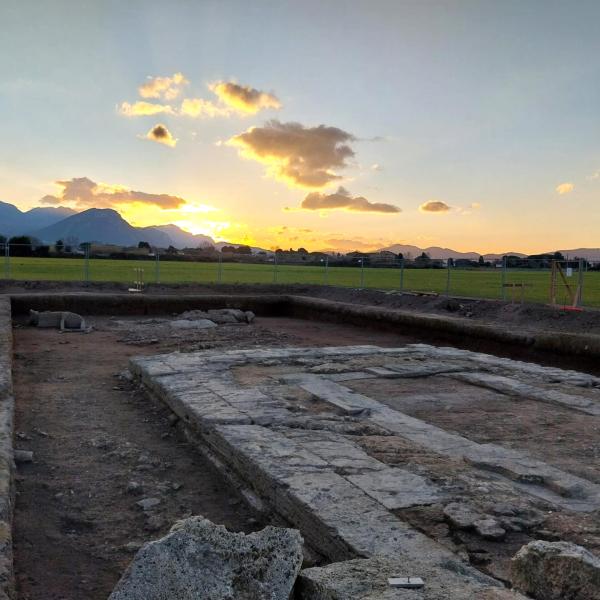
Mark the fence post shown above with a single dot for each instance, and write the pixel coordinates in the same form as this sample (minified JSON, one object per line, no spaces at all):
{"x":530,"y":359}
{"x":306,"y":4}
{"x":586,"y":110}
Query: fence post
{"x":220,"y":269}
{"x":157,"y":266}
{"x":362,"y":273}
{"x":6,"y":260}
{"x":275,"y":268}
{"x":580,"y":283}
{"x":326,"y":273}
{"x":448,"y":278}
{"x":402,"y":274}
{"x":503,"y":277}
{"x":86,"y":264}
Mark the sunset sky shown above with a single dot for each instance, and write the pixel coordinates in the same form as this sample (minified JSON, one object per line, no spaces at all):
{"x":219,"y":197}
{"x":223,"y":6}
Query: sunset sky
{"x":330,"y":125}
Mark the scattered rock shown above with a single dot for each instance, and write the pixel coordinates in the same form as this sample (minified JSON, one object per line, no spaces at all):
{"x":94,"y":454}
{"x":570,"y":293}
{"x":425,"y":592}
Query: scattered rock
{"x":462,"y":515}
{"x":148,"y":503}
{"x":173,"y":419}
{"x":556,"y":571}
{"x":198,"y":559}
{"x":23,"y":456}
{"x":133,"y":487}
{"x":126,"y":375}
{"x":489,"y":528}
{"x":221,"y":316}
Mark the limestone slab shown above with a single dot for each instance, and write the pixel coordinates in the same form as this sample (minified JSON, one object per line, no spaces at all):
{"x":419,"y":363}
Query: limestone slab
{"x":397,"y":488}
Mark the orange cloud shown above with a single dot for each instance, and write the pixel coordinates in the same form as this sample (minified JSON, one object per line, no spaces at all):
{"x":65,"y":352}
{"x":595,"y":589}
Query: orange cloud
{"x":434,"y":207}
{"x":342,"y":199}
{"x":167,"y":88}
{"x":199,"y":108}
{"x":85,"y":193}
{"x":243,"y":98}
{"x":298,"y":155}
{"x":160,"y":134}
{"x":565,"y":188}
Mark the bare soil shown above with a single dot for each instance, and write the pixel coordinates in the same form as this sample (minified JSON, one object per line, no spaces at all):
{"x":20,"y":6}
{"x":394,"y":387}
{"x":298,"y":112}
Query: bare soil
{"x":100,"y":446}
{"x":567,"y":439}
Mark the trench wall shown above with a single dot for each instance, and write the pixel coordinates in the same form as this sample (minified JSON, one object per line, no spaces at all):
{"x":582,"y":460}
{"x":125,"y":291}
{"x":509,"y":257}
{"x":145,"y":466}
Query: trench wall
{"x":451,"y":329}
{"x":6,"y":451}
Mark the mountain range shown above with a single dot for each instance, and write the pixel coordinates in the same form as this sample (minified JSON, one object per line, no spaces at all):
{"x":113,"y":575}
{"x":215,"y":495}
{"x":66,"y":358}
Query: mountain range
{"x":436,"y":252}
{"x":16,"y":222}
{"x":107,"y":226}
{"x":102,"y":225}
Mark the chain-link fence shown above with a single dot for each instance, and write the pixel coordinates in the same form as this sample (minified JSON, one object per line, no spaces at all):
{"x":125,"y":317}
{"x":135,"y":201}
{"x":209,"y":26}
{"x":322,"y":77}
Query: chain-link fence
{"x":568,"y":283}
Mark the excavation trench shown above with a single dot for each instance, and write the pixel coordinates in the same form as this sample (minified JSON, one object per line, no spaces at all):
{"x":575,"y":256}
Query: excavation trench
{"x":96,"y":438}
{"x":101,"y":444}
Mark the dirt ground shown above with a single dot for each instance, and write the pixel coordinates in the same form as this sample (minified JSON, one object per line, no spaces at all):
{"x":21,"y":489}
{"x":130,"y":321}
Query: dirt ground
{"x":567,"y":439}
{"x":100,"y":446}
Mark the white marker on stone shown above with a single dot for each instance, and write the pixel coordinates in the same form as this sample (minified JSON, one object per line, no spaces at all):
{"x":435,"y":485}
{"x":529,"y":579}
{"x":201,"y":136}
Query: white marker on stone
{"x":411,"y":583}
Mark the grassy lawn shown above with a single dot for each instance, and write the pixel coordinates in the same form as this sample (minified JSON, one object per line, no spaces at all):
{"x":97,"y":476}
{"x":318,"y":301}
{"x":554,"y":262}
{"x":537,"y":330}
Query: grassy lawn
{"x":481,"y":283}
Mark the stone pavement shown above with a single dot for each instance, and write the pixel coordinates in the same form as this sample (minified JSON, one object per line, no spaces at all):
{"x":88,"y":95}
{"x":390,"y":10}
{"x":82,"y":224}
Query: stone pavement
{"x":294,"y":455}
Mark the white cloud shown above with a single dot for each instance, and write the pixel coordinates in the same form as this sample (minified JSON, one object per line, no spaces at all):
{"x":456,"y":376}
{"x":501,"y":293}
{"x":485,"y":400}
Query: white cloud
{"x":144,"y":109}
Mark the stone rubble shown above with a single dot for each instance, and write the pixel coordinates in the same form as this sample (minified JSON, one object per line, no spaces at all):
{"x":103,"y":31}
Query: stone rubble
{"x":556,"y":571}
{"x":199,"y":559}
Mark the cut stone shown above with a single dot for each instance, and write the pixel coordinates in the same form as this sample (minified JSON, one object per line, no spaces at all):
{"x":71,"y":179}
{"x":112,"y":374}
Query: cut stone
{"x":489,"y":528}
{"x":462,"y":515}
{"x":397,"y":488}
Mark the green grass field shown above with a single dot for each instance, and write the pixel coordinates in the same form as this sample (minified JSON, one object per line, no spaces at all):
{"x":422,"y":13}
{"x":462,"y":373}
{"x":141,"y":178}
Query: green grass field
{"x":479,"y":283}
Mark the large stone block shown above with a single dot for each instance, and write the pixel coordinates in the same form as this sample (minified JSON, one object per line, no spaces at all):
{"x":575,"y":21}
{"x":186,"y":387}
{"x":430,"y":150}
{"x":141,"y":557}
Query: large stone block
{"x":198,"y":559}
{"x":556,"y":571}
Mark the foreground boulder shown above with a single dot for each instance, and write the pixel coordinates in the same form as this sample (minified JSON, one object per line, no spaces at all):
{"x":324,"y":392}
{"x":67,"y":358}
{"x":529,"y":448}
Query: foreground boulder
{"x":199,"y":559}
{"x":556,"y":571}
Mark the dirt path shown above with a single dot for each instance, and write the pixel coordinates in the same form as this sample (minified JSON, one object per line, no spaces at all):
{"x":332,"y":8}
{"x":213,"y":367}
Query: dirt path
{"x":95,"y":439}
{"x":76,"y":523}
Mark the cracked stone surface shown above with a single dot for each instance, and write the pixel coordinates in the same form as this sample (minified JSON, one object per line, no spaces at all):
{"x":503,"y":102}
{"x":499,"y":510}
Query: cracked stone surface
{"x":295,"y":430}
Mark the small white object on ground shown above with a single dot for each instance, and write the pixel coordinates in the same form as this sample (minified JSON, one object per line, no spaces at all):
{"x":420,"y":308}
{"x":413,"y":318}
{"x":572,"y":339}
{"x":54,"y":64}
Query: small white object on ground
{"x":411,"y":583}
